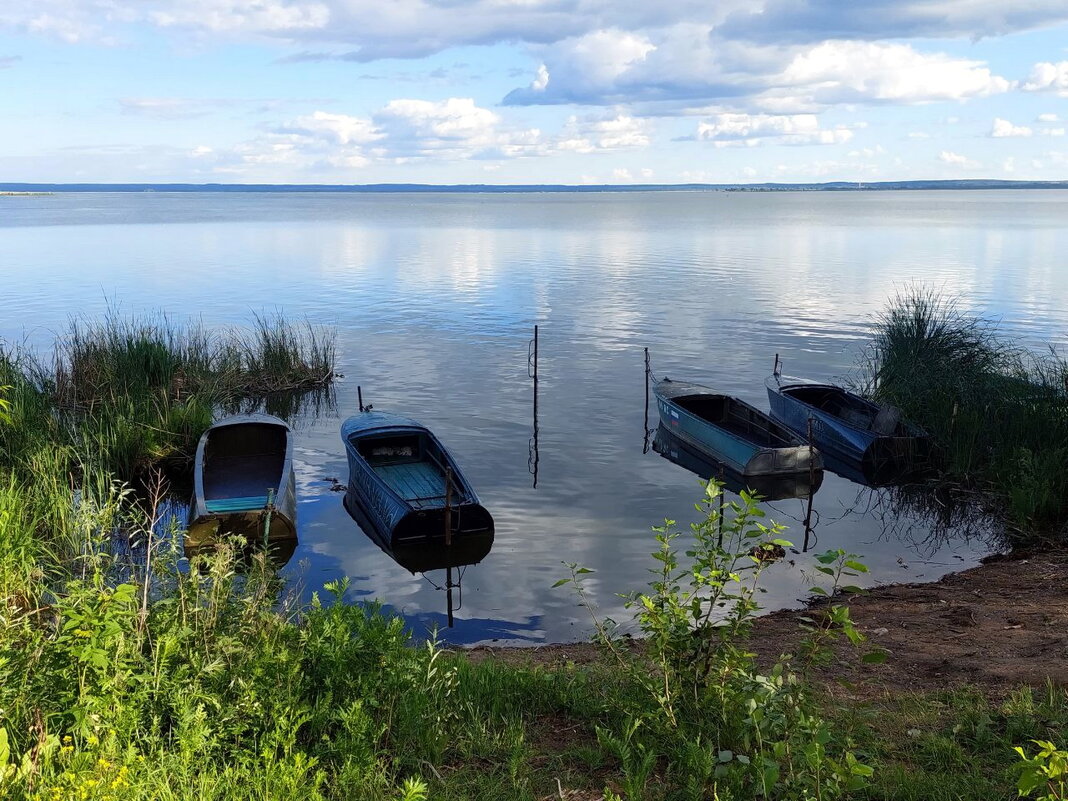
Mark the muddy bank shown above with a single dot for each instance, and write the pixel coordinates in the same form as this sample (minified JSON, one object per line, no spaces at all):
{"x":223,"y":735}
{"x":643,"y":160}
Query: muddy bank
{"x":997,"y":626}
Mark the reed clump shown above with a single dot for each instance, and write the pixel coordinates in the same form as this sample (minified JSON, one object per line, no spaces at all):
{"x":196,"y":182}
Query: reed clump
{"x":129,"y":394}
{"x":998,"y":412}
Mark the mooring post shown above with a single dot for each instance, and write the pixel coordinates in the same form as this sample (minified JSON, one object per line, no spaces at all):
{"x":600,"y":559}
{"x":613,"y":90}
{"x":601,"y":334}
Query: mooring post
{"x":269,"y":510}
{"x":535,"y":377}
{"x":645,"y":427}
{"x":359,"y":396}
{"x":719,"y":539}
{"x":448,"y":506}
{"x":811,"y":487}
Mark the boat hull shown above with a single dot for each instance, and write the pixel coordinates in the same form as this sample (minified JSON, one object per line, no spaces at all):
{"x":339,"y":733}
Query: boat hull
{"x":769,"y":488}
{"x":741,"y":454}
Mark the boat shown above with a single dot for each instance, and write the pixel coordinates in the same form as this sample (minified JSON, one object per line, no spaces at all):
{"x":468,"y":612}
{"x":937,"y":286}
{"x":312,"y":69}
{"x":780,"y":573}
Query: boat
{"x":872,"y":437}
{"x":243,"y":482}
{"x":405,"y":485}
{"x":732,"y":431}
{"x":769,"y":488}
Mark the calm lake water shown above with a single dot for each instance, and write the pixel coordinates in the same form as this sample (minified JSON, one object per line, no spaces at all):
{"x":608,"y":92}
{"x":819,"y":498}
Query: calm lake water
{"x":434,"y":298}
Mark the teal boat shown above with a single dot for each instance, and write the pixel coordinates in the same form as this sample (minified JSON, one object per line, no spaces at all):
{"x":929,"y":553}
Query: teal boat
{"x":731,"y":431}
{"x":405,"y":484}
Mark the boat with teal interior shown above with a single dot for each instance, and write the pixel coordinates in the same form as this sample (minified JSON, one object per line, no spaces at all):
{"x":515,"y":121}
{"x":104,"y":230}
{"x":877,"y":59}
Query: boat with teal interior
{"x":732,"y":431}
{"x":404,"y":483}
{"x":873,"y":438}
{"x":243,"y":482}
{"x":769,"y":488}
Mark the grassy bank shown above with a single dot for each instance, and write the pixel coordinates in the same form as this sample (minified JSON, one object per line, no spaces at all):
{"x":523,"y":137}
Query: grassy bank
{"x":998,"y":413}
{"x":125,"y":678}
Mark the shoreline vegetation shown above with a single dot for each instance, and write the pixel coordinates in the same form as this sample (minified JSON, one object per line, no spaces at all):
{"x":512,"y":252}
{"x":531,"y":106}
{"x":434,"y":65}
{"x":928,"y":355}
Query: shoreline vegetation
{"x":832,"y":186}
{"x":128,"y":672}
{"x":998,"y":413}
{"x":25,"y":194}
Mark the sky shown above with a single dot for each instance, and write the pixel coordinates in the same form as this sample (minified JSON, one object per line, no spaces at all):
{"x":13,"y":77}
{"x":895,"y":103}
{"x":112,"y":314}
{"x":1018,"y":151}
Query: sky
{"x":532,"y":91}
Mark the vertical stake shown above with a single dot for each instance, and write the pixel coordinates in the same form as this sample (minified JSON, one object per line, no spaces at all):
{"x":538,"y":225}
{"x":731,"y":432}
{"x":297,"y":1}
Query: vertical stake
{"x":645,"y":429}
{"x":811,"y":485}
{"x":359,"y":395}
{"x":448,"y":506}
{"x":269,"y":509}
{"x":719,"y":541}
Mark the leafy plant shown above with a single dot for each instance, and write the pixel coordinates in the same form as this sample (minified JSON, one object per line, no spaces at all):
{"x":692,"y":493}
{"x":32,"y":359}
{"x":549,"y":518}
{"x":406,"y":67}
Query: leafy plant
{"x":705,"y":686}
{"x":1043,"y":776}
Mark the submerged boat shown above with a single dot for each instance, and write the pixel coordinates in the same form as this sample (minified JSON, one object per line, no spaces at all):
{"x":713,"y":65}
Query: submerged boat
{"x":243,"y":482}
{"x":405,"y":485}
{"x":871,"y":436}
{"x":731,"y":431}
{"x":769,"y":488}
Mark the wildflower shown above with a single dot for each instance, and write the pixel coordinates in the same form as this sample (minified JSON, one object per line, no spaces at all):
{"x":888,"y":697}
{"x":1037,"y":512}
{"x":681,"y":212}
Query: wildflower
{"x":83,"y":633}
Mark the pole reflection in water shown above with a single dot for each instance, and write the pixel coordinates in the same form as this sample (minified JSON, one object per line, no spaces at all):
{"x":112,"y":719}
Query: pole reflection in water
{"x":430,"y":554}
{"x":532,"y":372}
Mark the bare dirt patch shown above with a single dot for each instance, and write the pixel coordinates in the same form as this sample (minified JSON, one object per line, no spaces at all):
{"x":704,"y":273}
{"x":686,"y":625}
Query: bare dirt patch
{"x":998,"y":626}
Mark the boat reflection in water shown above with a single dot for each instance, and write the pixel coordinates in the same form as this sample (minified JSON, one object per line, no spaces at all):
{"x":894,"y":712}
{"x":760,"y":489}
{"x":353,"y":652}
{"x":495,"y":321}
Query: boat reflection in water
{"x":432,"y":554}
{"x":770,"y":488}
{"x":278,"y":552}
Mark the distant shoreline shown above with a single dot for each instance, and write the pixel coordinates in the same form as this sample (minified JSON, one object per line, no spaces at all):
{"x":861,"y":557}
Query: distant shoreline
{"x":834,"y":186}
{"x":4,"y":193}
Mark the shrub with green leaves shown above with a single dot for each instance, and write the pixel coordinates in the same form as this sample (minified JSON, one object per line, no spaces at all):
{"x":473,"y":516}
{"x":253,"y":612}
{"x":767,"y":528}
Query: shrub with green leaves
{"x":725,"y":728}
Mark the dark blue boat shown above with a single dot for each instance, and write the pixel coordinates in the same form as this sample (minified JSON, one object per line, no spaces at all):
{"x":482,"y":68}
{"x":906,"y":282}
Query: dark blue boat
{"x":405,"y":485}
{"x":845,"y":425}
{"x":769,"y":488}
{"x":731,"y":431}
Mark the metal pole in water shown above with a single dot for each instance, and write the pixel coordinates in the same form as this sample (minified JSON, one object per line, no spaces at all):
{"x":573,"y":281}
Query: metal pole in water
{"x":645,"y":429}
{"x":811,"y":487}
{"x":269,"y":509}
{"x":359,"y":395}
{"x":448,"y":506}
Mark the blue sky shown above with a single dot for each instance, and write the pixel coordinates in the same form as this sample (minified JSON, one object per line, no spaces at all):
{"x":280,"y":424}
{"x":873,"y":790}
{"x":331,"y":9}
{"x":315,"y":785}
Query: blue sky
{"x":532,"y":91}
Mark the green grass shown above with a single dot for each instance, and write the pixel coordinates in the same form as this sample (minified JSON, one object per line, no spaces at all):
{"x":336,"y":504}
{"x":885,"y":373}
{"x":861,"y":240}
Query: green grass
{"x":998,"y":413}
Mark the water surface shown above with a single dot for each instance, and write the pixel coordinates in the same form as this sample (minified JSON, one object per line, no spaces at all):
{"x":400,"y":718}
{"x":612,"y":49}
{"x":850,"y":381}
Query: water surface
{"x":434,"y":298}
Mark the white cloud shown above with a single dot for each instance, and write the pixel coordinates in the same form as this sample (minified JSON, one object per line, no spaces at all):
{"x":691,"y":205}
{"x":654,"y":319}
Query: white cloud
{"x":1048,"y":77}
{"x":1004,"y":128}
{"x":622,"y":174}
{"x":1048,"y":118}
{"x":592,"y":133}
{"x":841,"y":72}
{"x":752,"y":129}
{"x":340,"y":129}
{"x":919,"y":135}
{"x":957,"y":160}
